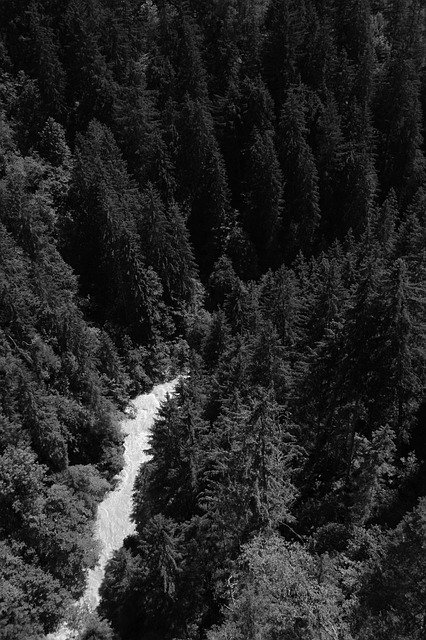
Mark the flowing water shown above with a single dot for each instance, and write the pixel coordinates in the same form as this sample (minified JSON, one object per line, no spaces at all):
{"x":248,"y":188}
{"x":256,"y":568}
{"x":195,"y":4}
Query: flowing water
{"x":113,"y":522}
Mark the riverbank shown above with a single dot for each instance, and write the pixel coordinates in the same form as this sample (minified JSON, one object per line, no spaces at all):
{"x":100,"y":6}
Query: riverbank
{"x":113,"y":522}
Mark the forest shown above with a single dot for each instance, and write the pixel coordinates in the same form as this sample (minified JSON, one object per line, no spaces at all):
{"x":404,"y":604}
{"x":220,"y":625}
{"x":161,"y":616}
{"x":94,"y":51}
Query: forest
{"x":233,"y":191}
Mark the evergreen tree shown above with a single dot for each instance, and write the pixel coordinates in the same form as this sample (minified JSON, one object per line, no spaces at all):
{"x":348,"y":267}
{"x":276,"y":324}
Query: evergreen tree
{"x":44,"y":51}
{"x":330,"y":159}
{"x":397,"y":106}
{"x":171,"y":484}
{"x":166,"y":246}
{"x":386,"y":223}
{"x":359,"y":179}
{"x":411,"y":235}
{"x":191,"y":74}
{"x":301,"y":197}
{"x":395,"y":577}
{"x":146,"y":581}
{"x":137,"y":127}
{"x":105,"y":245}
{"x":286,"y":26}
{"x":262,"y":196}
{"x":203,"y":182}
{"x":404,"y":334}
{"x":90,"y":84}
{"x":281,"y":304}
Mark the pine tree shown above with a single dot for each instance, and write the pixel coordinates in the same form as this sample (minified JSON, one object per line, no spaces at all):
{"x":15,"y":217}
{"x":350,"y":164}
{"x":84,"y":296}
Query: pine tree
{"x":246,"y":122}
{"x":262,"y":196}
{"x":359,"y":179}
{"x":386,"y":223}
{"x":410,"y":238}
{"x":166,"y":245}
{"x":46,"y":58}
{"x":105,"y":248}
{"x":285,"y":24}
{"x":191,"y":74}
{"x":329,"y":156}
{"x":301,"y":196}
{"x":404,"y":334}
{"x":203,"y":182}
{"x":240,"y":249}
{"x":220,"y":28}
{"x":217,"y":339}
{"x":353,"y":26}
{"x":370,"y":473}
{"x":136,"y":126}
{"x":397,"y":107}
{"x":226,"y":487}
{"x":320,"y":60}
{"x":141,"y":580}
{"x":395,"y":576}
{"x":173,"y":481}
{"x":272,"y":458}
{"x":225,"y":287}
{"x":90,"y":84}
{"x":281,"y":304}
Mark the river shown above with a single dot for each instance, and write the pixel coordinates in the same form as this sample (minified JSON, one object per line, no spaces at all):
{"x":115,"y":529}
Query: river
{"x":113,"y":522}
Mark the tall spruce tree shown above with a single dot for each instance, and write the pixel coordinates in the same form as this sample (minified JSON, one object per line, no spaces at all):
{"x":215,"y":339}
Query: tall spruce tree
{"x":301,"y":195}
{"x":166,"y":245}
{"x":286,"y":30}
{"x":397,"y":105}
{"x":262,"y":197}
{"x":105,"y":248}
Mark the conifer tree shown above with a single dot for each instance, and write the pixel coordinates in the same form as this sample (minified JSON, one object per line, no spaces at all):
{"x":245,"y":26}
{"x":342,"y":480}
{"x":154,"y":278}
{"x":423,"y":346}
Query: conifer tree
{"x":166,"y":245}
{"x":397,"y":106}
{"x":105,"y":204}
{"x":137,"y":128}
{"x":280,"y":302}
{"x":172,"y":481}
{"x":227,"y":490}
{"x":226,"y":289}
{"x":246,"y":114}
{"x":353,"y":34}
{"x":329,"y":157}
{"x":89,"y":78}
{"x":320,"y":64}
{"x":404,"y":362}
{"x":301,"y":196}
{"x":272,"y":455}
{"x":203,"y":182}
{"x":410,"y":238}
{"x":386,"y":223}
{"x":142,"y":579}
{"x":285,"y":24}
{"x":262,"y":196}
{"x":44,"y":50}
{"x":394,"y":577}
{"x":359,"y":178}
{"x":217,"y":339}
{"x":191,"y":74}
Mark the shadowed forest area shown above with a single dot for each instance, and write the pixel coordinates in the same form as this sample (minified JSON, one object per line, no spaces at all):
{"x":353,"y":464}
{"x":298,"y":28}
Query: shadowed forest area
{"x":234,"y":189}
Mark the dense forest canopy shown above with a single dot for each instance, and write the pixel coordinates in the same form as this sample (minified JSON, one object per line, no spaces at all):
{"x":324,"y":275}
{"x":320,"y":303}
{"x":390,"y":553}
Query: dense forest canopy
{"x":234,"y":189}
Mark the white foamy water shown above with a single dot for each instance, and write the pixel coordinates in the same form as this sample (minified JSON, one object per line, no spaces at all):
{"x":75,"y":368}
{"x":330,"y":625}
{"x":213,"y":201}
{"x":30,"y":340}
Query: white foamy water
{"x":113,"y":522}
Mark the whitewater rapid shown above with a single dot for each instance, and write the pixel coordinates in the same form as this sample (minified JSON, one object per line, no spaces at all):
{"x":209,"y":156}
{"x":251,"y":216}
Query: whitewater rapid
{"x":113,"y":522}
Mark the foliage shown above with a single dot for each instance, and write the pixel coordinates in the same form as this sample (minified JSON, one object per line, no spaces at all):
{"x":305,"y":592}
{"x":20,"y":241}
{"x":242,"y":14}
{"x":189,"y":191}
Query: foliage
{"x":278,"y":592}
{"x":234,"y":189}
